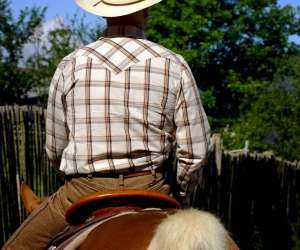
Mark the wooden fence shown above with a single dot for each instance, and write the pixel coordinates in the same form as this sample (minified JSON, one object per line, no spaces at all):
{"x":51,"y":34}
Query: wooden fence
{"x":22,"y":157}
{"x":256,"y":196}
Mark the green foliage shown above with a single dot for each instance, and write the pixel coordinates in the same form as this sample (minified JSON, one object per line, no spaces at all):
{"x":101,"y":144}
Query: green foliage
{"x":83,"y":32}
{"x":14,"y":34}
{"x":233,"y":47}
{"x":273,"y":121}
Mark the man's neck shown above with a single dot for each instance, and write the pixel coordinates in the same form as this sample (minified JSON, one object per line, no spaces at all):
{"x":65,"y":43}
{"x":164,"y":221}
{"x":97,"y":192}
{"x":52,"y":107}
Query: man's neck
{"x":124,"y":31}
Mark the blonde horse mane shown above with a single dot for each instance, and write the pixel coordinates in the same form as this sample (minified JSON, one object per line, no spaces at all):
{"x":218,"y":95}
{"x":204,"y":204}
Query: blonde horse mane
{"x":190,"y":229}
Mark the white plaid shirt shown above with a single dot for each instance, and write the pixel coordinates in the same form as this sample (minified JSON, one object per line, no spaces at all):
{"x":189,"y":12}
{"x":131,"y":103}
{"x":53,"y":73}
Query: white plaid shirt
{"x":116,"y":105}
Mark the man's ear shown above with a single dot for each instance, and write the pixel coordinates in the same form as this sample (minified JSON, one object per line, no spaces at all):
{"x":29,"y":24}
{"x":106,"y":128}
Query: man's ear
{"x":146,"y":13}
{"x":145,"y":17}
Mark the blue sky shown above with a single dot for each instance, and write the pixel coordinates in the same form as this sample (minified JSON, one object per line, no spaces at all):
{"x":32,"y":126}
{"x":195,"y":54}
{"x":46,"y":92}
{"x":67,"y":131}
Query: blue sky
{"x":67,"y":8}
{"x":292,"y":2}
{"x":56,"y":8}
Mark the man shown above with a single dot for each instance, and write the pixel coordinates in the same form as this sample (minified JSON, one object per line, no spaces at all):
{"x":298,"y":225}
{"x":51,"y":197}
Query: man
{"x":115,"y":107}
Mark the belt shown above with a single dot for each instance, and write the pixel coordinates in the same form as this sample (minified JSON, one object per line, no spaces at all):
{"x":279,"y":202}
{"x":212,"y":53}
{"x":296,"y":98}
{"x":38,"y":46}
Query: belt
{"x":113,"y":175}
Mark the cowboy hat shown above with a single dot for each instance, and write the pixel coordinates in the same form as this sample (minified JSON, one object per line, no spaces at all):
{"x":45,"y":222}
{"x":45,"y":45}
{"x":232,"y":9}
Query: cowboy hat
{"x":114,"y":8}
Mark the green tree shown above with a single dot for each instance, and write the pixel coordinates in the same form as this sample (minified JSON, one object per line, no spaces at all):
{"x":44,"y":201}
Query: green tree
{"x":234,"y":47}
{"x":273,"y":121}
{"x":15,"y":82}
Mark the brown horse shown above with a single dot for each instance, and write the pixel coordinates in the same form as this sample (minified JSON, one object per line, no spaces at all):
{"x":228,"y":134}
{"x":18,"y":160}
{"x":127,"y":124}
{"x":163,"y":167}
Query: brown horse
{"x":136,"y":220}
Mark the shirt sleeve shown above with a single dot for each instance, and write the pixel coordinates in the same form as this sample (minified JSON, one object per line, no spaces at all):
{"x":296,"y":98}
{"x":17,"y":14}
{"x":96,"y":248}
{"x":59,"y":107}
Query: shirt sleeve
{"x":56,"y":130}
{"x":192,"y":133}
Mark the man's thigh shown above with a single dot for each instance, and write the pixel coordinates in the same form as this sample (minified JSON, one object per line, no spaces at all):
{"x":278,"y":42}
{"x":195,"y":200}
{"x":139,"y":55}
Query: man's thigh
{"x":40,"y":227}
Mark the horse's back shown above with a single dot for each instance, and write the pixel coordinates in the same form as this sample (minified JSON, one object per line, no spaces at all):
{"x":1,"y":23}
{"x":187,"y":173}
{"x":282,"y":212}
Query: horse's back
{"x":131,"y":232}
{"x":161,"y":230}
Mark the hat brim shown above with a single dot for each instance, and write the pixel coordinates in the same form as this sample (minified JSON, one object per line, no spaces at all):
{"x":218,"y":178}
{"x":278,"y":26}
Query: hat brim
{"x":108,"y":10}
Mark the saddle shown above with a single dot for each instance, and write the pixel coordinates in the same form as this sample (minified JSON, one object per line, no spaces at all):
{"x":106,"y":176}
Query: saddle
{"x":93,"y":210}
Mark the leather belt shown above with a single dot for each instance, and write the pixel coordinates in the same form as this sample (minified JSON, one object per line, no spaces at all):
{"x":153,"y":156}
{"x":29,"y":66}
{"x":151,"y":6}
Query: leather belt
{"x":113,"y":175}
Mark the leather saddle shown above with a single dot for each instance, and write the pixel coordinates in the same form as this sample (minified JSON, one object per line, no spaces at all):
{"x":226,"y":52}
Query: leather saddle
{"x":100,"y":206}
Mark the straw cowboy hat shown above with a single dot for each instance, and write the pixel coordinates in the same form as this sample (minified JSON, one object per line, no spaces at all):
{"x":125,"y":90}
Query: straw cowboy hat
{"x":114,"y":8}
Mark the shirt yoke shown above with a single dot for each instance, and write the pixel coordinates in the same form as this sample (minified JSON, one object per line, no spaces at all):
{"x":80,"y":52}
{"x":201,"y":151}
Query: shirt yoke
{"x":119,"y":54}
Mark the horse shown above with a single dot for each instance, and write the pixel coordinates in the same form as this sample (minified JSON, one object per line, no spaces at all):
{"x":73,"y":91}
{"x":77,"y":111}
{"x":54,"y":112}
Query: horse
{"x":135,"y":220}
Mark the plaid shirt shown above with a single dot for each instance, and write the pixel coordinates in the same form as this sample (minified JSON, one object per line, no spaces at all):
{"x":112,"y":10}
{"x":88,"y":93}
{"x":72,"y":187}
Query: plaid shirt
{"x":116,"y":105}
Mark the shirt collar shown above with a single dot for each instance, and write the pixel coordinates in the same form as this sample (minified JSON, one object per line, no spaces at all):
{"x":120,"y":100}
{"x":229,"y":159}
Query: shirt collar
{"x":124,"y":31}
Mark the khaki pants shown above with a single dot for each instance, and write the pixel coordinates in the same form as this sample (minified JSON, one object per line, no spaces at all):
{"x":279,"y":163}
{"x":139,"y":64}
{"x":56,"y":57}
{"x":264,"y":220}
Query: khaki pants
{"x":48,"y":219}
